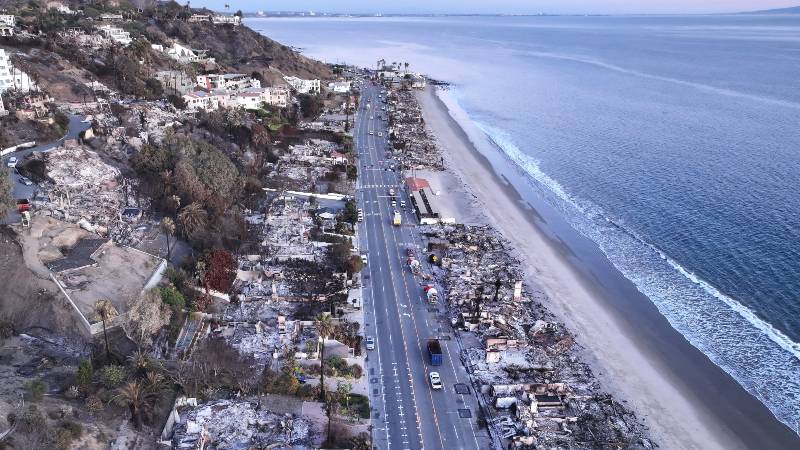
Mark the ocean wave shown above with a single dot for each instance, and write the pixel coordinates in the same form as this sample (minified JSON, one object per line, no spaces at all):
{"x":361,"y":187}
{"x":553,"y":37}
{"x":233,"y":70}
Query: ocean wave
{"x":532,"y":168}
{"x":760,"y":357}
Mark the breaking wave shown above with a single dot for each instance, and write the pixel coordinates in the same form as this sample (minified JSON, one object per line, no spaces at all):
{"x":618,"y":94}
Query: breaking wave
{"x":764,"y":360}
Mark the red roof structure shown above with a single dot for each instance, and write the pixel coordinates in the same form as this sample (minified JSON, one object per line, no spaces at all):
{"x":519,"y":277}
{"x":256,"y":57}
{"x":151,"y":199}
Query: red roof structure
{"x":415,"y":184}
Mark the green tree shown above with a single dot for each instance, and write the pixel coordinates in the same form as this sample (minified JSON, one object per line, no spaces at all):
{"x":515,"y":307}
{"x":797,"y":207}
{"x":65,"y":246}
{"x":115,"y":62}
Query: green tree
{"x":326,"y":328}
{"x":192,"y":218}
{"x":36,"y":389}
{"x":350,"y":213}
{"x":168,"y":228}
{"x":83,"y":378}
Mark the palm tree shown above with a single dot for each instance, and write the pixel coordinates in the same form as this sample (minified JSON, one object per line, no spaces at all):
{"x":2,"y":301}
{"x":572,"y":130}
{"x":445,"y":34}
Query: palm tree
{"x":406,"y":64}
{"x":325,"y":327}
{"x":192,"y":218}
{"x":140,"y":397}
{"x":105,"y":311}
{"x":168,"y":228}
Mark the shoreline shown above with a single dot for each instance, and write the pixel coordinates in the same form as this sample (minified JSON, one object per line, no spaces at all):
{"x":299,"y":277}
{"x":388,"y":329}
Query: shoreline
{"x":680,"y":395}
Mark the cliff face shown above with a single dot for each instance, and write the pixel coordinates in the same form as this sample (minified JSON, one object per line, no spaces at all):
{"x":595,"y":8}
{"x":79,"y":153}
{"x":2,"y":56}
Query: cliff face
{"x":245,"y":50}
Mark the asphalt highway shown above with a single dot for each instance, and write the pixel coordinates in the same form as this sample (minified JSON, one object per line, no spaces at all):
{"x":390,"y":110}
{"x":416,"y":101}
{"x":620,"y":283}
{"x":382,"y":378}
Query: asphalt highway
{"x":407,"y":413}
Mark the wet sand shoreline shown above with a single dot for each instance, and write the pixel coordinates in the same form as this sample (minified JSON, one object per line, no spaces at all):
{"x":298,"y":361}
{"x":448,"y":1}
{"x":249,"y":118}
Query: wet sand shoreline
{"x":686,"y":400}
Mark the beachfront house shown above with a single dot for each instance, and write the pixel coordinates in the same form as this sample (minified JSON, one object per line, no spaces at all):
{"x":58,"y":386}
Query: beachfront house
{"x":303,"y":86}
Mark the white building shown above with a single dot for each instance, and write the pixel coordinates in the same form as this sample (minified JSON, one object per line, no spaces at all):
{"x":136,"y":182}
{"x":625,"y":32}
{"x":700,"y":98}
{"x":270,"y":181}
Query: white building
{"x":8,"y":20}
{"x":250,"y":98}
{"x":116,"y":34}
{"x":206,"y":100}
{"x":60,"y":7}
{"x":230,"y":81}
{"x":418,"y":81}
{"x":303,"y":86}
{"x":182,"y":53}
{"x":111,"y":17}
{"x":339,"y":87}
{"x":219,"y":19}
{"x":13,"y":78}
{"x":200,"y":18}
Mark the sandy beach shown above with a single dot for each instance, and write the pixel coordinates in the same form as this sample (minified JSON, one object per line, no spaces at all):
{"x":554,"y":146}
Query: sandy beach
{"x":685,"y":400}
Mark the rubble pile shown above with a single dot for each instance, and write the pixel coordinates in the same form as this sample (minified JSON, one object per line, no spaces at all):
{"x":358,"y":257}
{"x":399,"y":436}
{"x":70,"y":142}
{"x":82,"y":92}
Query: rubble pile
{"x":285,"y":229}
{"x":238,"y":424}
{"x":76,"y":166}
{"x":408,"y":134}
{"x":80,"y":188}
{"x":537,"y":391}
{"x":309,"y":162}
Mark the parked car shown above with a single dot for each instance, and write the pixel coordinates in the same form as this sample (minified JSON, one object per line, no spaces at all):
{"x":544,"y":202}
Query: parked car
{"x":26,"y":181}
{"x":436,"y":380}
{"x":12,"y":162}
{"x":370,"y":343}
{"x":364,"y":259}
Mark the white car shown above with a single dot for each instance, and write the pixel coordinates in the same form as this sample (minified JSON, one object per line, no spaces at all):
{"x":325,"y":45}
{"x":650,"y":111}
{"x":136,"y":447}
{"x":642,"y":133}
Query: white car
{"x":12,"y":162}
{"x":364,"y":259}
{"x":371,"y":117}
{"x":370,"y":343}
{"x":371,"y":133}
{"x":436,"y":380}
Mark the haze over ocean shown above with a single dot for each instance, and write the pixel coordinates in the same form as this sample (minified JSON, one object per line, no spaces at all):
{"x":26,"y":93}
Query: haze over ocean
{"x":672,"y":142}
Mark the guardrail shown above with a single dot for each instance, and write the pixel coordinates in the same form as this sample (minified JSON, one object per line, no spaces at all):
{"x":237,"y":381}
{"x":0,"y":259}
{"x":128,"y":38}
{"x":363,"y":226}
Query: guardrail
{"x":24,"y":145}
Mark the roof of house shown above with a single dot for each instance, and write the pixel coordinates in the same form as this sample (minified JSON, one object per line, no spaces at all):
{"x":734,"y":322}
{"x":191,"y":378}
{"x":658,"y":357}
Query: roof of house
{"x":416,"y":184}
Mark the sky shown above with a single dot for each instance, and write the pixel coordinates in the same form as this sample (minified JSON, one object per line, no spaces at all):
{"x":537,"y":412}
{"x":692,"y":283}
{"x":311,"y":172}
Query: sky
{"x":501,"y":6}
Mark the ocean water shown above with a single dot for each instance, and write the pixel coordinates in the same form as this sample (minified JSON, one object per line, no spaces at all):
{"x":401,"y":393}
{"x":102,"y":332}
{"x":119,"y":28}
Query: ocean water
{"x":672,"y":142}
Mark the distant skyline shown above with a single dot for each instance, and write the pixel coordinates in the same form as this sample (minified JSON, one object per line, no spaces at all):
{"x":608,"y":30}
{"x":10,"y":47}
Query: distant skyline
{"x":503,"y":6}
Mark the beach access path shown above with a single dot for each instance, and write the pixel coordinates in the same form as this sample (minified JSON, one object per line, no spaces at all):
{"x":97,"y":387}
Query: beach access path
{"x":686,"y":401}
{"x":406,"y":412}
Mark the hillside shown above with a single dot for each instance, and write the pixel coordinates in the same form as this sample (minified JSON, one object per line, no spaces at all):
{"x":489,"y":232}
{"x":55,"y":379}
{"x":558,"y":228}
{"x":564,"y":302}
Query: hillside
{"x":243,"y":49}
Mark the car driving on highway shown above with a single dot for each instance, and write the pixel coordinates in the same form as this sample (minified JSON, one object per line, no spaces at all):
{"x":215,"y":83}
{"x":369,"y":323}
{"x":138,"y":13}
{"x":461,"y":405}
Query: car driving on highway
{"x":436,"y":380}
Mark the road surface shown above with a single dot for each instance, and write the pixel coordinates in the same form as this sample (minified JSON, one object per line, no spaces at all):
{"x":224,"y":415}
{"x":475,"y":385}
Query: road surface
{"x":76,"y":126}
{"x":407,"y":413}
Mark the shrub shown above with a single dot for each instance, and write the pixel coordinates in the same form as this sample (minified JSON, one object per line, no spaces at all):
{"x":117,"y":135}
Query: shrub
{"x":36,"y":389}
{"x":356,"y":371}
{"x":337,"y":363}
{"x":94,"y":404}
{"x":113,"y":375}
{"x":172,"y":297}
{"x":307,"y":392}
{"x":85,"y":373}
